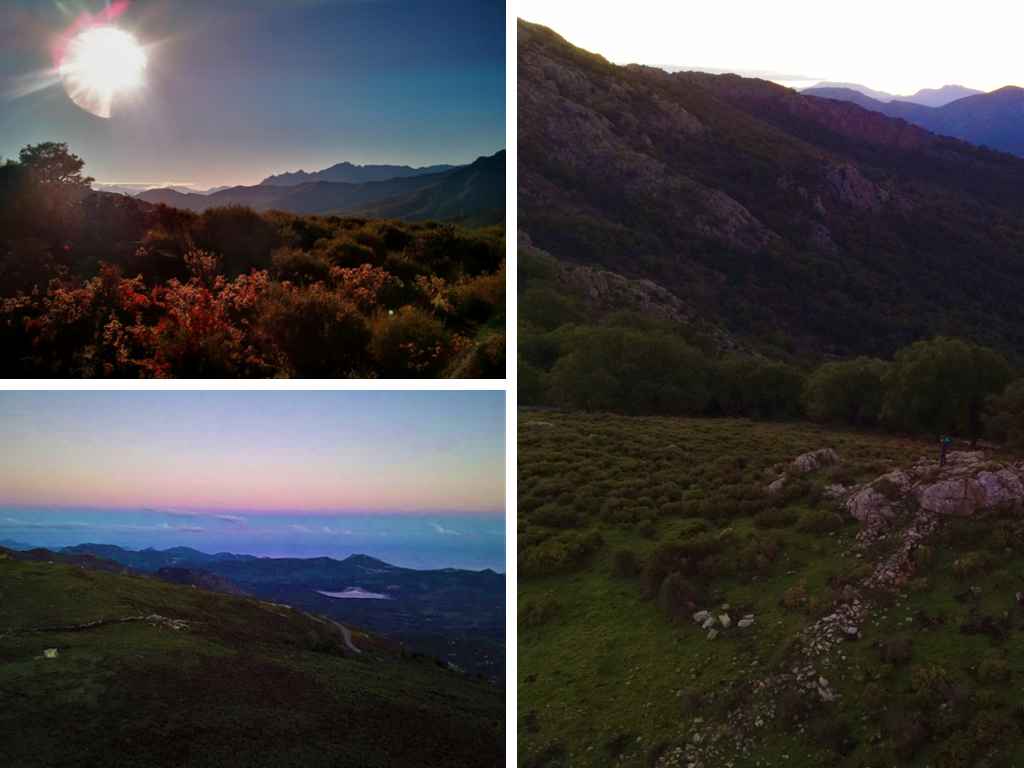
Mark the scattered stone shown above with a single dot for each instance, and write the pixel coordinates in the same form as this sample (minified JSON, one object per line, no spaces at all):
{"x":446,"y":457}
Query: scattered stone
{"x":50,"y":653}
{"x":744,"y":623}
{"x":778,"y":484}
{"x":815,"y":460}
{"x":712,"y":634}
{"x":725,"y":621}
{"x":708,"y":623}
{"x":701,"y":616}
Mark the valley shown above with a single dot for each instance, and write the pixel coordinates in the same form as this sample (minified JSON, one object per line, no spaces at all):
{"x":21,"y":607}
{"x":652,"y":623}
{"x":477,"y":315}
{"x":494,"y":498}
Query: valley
{"x":455,"y":615}
{"x":131,"y":670}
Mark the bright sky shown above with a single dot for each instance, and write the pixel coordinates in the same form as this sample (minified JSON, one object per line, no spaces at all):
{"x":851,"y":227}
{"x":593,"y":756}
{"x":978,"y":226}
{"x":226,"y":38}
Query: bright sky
{"x":898,"y":47}
{"x":256,"y":452}
{"x":235,"y":90}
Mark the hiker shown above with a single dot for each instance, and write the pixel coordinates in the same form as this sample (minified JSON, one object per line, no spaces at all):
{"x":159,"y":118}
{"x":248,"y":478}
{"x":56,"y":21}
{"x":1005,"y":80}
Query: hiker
{"x":944,"y":442}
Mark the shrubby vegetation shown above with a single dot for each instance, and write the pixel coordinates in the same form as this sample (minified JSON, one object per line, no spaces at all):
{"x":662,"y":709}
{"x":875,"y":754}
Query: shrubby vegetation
{"x":628,"y":363}
{"x":94,"y":284}
{"x":629,"y":525}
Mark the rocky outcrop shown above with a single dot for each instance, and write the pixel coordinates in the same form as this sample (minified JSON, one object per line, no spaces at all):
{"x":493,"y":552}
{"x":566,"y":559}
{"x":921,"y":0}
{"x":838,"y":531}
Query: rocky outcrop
{"x":604,"y":292}
{"x":967,"y":485}
{"x":815,"y":460}
{"x":803,"y":464}
{"x":882,"y":498}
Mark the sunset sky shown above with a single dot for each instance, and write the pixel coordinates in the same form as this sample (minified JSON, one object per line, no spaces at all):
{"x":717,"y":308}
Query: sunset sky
{"x":898,"y":47}
{"x":414,"y":477}
{"x":235,"y":90}
{"x":255,"y":451}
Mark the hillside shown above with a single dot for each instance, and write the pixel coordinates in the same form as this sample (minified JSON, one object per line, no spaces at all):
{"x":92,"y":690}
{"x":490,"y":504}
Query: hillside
{"x":153,"y":674}
{"x":102,"y":285}
{"x":455,"y":614}
{"x":987,"y":119}
{"x":698,"y":592}
{"x":472,"y":193}
{"x":789,"y":221}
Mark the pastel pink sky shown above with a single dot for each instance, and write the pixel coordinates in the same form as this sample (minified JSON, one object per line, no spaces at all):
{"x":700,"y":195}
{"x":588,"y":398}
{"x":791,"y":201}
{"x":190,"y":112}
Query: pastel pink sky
{"x":330,"y":452}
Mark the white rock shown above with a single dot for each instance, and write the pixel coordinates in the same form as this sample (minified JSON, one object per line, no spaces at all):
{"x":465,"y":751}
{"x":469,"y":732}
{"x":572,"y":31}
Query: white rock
{"x":701,"y":616}
{"x":744,"y":623}
{"x":725,"y":620}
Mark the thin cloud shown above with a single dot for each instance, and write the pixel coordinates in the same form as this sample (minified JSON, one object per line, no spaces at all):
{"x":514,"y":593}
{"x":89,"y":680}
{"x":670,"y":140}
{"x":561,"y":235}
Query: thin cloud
{"x":12,"y":523}
{"x":445,"y":531}
{"x":238,"y":519}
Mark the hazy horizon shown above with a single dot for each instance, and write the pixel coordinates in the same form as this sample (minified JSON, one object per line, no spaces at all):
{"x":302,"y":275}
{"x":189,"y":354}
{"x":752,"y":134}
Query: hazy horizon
{"x":912,"y":45}
{"x":235,"y":91}
{"x":418,"y":477}
{"x":418,"y":541}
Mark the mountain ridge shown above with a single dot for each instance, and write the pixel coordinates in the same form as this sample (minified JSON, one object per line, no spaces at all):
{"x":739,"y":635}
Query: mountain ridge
{"x":991,"y":119}
{"x":465,"y":193}
{"x":753,"y":203}
{"x":353,"y":173}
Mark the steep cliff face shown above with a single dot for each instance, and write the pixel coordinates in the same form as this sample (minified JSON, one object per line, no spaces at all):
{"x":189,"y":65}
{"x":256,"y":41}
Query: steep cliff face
{"x":761,"y":208}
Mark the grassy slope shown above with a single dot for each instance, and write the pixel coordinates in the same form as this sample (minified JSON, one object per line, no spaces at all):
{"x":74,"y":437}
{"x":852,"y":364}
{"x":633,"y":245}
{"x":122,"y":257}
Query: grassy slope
{"x":607,"y":678}
{"x":246,"y":683}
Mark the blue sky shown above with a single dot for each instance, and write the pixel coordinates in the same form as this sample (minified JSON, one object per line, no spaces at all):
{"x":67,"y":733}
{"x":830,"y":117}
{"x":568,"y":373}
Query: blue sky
{"x":238,"y":89}
{"x":415,"y":477}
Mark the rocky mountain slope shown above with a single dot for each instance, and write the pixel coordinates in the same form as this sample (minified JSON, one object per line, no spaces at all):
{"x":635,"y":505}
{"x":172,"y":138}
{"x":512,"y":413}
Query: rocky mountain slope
{"x":132,"y":671}
{"x":765,"y":210}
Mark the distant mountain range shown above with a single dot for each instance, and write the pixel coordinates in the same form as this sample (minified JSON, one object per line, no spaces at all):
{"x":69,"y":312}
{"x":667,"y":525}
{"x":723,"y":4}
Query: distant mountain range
{"x":456,"y":614}
{"x":928,"y":97}
{"x":472,"y":193}
{"x":994,"y":120}
{"x":779,"y":217}
{"x":354,"y":174}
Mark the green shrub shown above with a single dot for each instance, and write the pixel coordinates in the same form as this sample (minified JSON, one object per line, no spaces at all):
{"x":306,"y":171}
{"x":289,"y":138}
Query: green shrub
{"x":299,"y":267}
{"x":625,"y":563}
{"x":410,"y":342}
{"x":677,"y":596}
{"x":537,"y":612}
{"x":316,"y":332}
{"x":819,"y":521}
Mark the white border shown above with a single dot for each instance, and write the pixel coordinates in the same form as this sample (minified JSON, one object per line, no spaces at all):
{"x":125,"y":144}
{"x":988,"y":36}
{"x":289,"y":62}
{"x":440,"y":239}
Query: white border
{"x":508,"y":385}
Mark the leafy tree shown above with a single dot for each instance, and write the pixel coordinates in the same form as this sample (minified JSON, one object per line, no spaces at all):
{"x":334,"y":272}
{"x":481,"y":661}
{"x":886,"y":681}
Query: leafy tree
{"x":847,"y":392}
{"x":1004,"y":415}
{"x":632,"y":371}
{"x":941,"y":385}
{"x":52,"y":165}
{"x":747,"y":386}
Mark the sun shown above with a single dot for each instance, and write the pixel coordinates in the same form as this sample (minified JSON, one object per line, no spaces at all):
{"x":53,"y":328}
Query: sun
{"x":100,"y":64}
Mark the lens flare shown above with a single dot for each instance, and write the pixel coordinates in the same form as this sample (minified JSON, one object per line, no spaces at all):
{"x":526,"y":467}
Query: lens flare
{"x":100,"y":64}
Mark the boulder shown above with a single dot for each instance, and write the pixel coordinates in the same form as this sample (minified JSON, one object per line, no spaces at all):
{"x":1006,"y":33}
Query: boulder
{"x":964,"y":496}
{"x":815,"y":460}
{"x":881,"y":498}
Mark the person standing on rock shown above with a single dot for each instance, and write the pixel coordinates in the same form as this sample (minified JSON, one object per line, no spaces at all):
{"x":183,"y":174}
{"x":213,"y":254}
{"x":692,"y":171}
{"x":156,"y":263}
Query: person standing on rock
{"x":944,"y":442}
